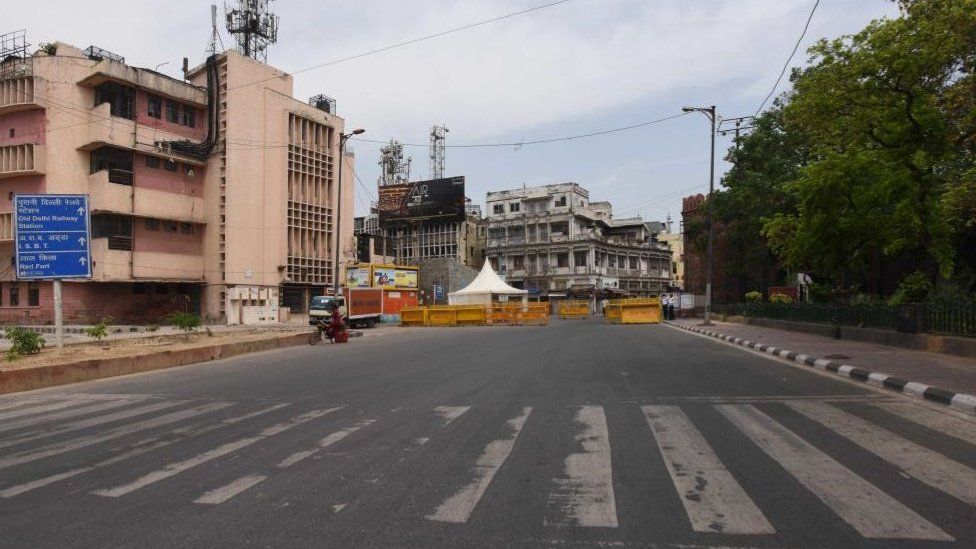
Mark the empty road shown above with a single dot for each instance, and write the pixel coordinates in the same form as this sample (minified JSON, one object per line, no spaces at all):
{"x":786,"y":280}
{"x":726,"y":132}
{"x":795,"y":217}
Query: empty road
{"x":575,"y":434}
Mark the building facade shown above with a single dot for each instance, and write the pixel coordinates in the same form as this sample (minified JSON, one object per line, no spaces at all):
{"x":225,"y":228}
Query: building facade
{"x":195,"y":186}
{"x":676,"y":242}
{"x":551,"y":239}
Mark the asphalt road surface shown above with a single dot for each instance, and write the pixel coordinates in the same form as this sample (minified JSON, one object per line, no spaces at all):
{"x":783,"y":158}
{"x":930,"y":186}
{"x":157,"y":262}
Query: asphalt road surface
{"x":576,"y":434}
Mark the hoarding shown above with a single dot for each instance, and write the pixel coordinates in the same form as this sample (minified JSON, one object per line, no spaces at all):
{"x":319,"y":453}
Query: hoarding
{"x":384,"y":277}
{"x":405,"y":279}
{"x":357,"y":277}
{"x":435,"y":198}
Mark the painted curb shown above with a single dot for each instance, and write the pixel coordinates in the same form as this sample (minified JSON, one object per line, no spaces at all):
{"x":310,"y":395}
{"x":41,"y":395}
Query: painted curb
{"x":958,"y":401}
{"x":27,"y":379}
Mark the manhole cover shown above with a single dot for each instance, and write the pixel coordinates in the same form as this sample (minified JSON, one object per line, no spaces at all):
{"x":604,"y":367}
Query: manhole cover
{"x":837,"y":357}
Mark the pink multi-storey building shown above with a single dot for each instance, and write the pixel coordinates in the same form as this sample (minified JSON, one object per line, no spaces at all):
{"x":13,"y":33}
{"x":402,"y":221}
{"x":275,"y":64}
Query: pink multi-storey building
{"x":196,"y":186}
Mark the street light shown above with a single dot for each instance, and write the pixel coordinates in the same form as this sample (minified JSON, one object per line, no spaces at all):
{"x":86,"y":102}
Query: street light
{"x":338,"y":207}
{"x":710,"y":113}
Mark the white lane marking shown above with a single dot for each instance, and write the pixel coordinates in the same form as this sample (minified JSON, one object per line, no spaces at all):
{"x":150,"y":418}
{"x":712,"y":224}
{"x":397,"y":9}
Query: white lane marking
{"x":584,"y":495}
{"x":421,"y":441}
{"x":44,"y":408}
{"x":142,"y":448}
{"x":450,"y":413}
{"x":224,"y":493}
{"x":873,"y":513}
{"x":458,"y":507}
{"x":88,"y":408}
{"x":925,"y":465}
{"x":176,"y":468}
{"x":713,"y":499}
{"x":62,"y":447}
{"x":944,"y":423}
{"x":339,"y":507}
{"x":92,"y":422}
{"x":331,"y":439}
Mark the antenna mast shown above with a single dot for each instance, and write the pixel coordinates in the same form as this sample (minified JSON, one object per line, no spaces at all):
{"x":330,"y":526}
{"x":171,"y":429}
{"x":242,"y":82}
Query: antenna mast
{"x":254,"y":27}
{"x":394,"y":167}
{"x":438,"y":137}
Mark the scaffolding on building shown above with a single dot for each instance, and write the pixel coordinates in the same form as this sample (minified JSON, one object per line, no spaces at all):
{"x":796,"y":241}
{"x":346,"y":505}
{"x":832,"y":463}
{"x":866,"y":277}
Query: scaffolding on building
{"x":15,"y":61}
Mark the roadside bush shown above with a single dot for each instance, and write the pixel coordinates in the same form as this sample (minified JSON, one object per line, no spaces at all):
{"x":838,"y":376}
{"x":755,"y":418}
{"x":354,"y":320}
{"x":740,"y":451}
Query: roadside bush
{"x":780,"y":299}
{"x":188,"y":322}
{"x":753,"y":297}
{"x":23,"y":342}
{"x":820,"y":293}
{"x":100,"y":330}
{"x":914,"y":288}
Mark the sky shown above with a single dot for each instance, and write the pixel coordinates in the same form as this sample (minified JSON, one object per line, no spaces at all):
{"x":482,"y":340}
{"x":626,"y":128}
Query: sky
{"x":578,"y":67}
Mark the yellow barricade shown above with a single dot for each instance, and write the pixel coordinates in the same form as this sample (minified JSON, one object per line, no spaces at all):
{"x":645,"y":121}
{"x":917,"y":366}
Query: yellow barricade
{"x":471,"y":315}
{"x":574,"y":309}
{"x":441,"y":315}
{"x":413,"y":316}
{"x":501,"y":313}
{"x":532,"y":314}
{"x":634,"y":311}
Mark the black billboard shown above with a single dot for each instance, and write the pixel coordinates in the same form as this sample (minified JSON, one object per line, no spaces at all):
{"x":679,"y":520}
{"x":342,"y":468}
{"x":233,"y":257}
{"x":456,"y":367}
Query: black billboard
{"x":435,"y":198}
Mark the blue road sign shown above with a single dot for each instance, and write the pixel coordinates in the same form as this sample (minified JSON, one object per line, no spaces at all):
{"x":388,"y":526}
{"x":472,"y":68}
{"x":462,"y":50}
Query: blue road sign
{"x":438,"y":291}
{"x":53,"y":235}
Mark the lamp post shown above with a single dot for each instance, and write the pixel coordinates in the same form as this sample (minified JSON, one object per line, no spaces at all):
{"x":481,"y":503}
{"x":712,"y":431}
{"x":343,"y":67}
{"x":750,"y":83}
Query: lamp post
{"x":710,"y":113}
{"x":343,"y":137}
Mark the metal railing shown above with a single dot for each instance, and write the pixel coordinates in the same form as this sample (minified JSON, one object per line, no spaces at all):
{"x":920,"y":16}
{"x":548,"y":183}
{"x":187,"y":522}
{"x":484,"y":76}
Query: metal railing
{"x":958,"y":319}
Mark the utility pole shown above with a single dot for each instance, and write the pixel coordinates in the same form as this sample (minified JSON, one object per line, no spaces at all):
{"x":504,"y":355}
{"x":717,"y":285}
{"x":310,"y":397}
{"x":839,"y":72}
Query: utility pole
{"x":338,"y":209}
{"x":709,"y":207}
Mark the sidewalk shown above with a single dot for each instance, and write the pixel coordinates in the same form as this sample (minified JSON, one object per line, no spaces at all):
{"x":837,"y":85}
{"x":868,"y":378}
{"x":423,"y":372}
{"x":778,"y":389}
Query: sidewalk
{"x":913,"y":370}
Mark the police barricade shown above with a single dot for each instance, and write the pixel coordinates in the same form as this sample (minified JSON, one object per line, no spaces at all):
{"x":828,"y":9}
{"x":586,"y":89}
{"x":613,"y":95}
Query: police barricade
{"x":501,"y":313}
{"x":413,"y":316}
{"x":634,"y":311}
{"x":532,"y":314}
{"x":470,"y":315}
{"x":574,"y":309}
{"x":441,"y":315}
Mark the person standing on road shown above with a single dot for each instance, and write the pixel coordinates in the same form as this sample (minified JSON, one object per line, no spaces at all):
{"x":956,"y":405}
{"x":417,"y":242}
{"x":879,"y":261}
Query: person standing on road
{"x":665,"y":304}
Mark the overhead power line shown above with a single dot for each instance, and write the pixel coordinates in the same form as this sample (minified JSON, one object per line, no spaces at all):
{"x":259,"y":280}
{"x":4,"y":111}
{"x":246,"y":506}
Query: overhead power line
{"x":790,"y":59}
{"x":412,"y":41}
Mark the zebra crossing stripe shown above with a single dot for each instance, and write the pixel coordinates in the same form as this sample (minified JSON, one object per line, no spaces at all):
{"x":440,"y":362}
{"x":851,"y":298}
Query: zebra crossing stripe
{"x":873,"y":513}
{"x":62,"y":447}
{"x":450,"y":413}
{"x":458,"y":507}
{"x":224,"y":493}
{"x":94,"y":421}
{"x":43,"y":408}
{"x":222,"y":450}
{"x":324,"y":443}
{"x":584,"y":495}
{"x":58,"y":416}
{"x":142,"y":448}
{"x":937,"y":421}
{"x":712,"y":498}
{"x":925,"y":465}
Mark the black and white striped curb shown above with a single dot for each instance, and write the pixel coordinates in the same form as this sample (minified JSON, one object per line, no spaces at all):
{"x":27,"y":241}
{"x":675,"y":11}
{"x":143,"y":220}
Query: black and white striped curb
{"x":959,"y":401}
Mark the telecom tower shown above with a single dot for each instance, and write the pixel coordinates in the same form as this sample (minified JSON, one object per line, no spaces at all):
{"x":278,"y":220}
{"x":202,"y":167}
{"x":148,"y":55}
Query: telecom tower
{"x":394,"y":167}
{"x":254,"y":27}
{"x":214,"y":34}
{"x":438,"y":137}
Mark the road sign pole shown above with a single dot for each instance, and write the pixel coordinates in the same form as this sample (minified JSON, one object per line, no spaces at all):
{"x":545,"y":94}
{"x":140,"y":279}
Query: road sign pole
{"x":58,"y":318}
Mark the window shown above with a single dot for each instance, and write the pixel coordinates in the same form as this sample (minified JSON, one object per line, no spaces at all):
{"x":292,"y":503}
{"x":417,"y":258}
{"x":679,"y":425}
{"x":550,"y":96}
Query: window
{"x":514,"y":207}
{"x":189,"y":117}
{"x":561,"y":201}
{"x":498,"y":209}
{"x":518,"y":262}
{"x":139,"y":288}
{"x":633,"y":263}
{"x":172,"y":112}
{"x":33,"y":294}
{"x":12,"y":132}
{"x":15,"y":294}
{"x":155,"y":106}
{"x":187,"y":228}
{"x":188,"y":170}
{"x":121,"y":99}
{"x":562,"y":259}
{"x":152,"y":162}
{"x":169,"y":226}
{"x":116,"y":162}
{"x":152,"y":224}
{"x":170,"y":166}
{"x":579,"y":258}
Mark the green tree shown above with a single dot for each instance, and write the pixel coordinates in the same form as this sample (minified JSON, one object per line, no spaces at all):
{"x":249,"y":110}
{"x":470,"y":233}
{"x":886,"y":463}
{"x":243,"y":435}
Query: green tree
{"x":872,"y":108}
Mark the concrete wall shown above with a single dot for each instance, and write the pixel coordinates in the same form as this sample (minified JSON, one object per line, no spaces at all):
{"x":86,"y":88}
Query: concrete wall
{"x":89,"y":303}
{"x":450,"y":273}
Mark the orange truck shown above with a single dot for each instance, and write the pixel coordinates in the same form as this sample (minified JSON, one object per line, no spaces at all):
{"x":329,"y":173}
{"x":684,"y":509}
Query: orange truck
{"x":359,"y":307}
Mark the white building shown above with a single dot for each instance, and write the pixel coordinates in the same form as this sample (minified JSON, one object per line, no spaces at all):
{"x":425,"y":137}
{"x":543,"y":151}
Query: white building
{"x":551,"y":239}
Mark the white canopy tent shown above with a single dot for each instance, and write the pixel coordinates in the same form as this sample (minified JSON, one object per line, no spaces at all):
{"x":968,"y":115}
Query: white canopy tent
{"x":484,"y":289}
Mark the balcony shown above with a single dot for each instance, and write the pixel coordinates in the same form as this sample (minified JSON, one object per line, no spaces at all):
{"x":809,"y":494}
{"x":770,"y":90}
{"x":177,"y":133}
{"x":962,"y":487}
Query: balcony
{"x":19,"y":160}
{"x":109,"y":70}
{"x":105,"y":130}
{"x":110,"y":194}
{"x":21,"y":93}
